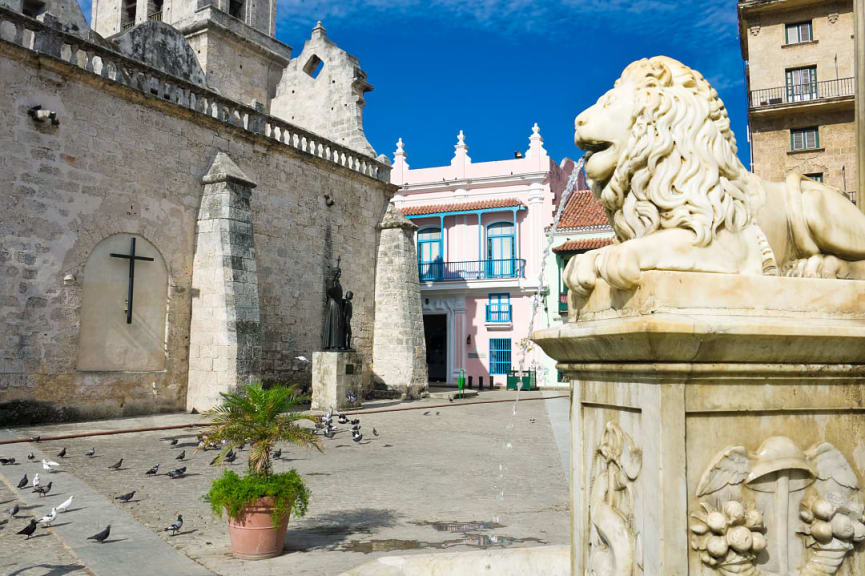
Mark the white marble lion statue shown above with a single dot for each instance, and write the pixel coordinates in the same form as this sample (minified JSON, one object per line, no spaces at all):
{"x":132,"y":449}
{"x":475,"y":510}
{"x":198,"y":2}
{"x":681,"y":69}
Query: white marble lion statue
{"x":661,"y":158}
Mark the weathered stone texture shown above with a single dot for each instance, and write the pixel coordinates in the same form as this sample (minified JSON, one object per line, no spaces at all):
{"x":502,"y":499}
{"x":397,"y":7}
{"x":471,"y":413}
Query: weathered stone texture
{"x":399,"y":351}
{"x":334,"y":374}
{"x":225,"y":330}
{"x":123,"y":162}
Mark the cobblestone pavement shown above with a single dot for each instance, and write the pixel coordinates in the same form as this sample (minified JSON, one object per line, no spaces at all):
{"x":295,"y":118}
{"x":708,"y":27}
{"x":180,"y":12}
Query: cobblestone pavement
{"x":41,"y":555}
{"x":456,"y":477}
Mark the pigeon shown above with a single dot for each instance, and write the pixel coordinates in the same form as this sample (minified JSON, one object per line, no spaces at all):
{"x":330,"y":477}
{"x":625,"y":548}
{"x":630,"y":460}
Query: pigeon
{"x":43,"y":490}
{"x":14,"y":510}
{"x":302,"y":358}
{"x":241,"y":447}
{"x":531,"y":420}
{"x":62,"y":453}
{"x":173,"y":442}
{"x":29,"y":529}
{"x":23,"y":482}
{"x":49,"y":518}
{"x":117,"y":465}
{"x":90,"y":452}
{"x":277,"y":454}
{"x":357,"y":436}
{"x":437,"y":412}
{"x":343,"y":419}
{"x":177,"y":473}
{"x":450,"y":399}
{"x":175,"y":527}
{"x":213,"y":462}
{"x":36,"y":480}
{"x":101,"y":536}
{"x":355,"y":422}
{"x":48,"y":465}
{"x":426,"y":413}
{"x":7,"y":461}
{"x":328,"y":432}
{"x":30,"y":456}
{"x":125,"y":497}
{"x":230,"y":457}
{"x":374,"y":432}
{"x":181,"y":456}
{"x":152,"y":471}
{"x":351,"y":397}
{"x":66,"y":504}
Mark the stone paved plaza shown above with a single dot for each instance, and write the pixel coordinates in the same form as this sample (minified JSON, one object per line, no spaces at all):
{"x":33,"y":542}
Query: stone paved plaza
{"x":428,"y":482}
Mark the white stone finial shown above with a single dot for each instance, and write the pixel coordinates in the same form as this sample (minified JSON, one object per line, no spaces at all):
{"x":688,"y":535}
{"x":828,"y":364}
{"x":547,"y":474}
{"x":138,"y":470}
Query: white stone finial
{"x":400,"y":149}
{"x":400,"y":166}
{"x":319,"y":29}
{"x":536,"y":143}
{"x":461,"y":155}
{"x":461,"y":140}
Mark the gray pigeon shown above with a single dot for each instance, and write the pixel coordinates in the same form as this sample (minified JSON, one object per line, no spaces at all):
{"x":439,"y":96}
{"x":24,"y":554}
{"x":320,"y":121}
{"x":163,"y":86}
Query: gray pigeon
{"x":14,"y":510}
{"x":176,"y":526}
{"x":181,"y":456}
{"x":177,"y":473}
{"x":125,"y":497}
{"x":43,"y":490}
{"x":117,"y":465}
{"x":101,"y":536}
{"x":90,"y":452}
{"x":152,"y":471}
{"x":23,"y":482}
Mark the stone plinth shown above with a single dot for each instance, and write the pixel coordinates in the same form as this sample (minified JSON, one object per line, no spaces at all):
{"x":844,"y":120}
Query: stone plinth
{"x":399,"y":348}
{"x":717,"y":422}
{"x":334,"y":374}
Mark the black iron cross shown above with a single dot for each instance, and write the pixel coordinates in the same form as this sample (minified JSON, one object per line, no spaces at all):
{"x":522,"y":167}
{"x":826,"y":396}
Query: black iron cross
{"x":132,"y":258}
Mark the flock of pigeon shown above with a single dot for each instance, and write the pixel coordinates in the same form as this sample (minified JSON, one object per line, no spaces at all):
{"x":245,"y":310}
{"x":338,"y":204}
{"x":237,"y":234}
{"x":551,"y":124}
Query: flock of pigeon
{"x":324,"y":426}
{"x":49,"y":466}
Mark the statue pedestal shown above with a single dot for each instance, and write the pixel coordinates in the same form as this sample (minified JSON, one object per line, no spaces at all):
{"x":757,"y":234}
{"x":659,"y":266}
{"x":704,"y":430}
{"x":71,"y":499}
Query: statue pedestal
{"x":334,"y":374}
{"x":716,"y":422}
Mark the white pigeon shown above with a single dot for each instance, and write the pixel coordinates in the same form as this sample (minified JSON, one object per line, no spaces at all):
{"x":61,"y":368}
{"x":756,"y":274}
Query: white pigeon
{"x":47,"y":465}
{"x":302,"y":358}
{"x":65,"y":505}
{"x":36,"y":480}
{"x":49,"y":518}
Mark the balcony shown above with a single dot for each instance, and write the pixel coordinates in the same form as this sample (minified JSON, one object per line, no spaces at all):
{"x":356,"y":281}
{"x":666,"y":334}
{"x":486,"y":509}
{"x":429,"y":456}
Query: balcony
{"x":498,"y":314}
{"x":157,"y":16}
{"x":471,"y":270}
{"x":794,"y":94}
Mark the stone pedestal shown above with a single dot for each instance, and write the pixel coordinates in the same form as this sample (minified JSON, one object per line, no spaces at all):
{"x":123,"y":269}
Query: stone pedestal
{"x":717,"y":425}
{"x":334,"y":374}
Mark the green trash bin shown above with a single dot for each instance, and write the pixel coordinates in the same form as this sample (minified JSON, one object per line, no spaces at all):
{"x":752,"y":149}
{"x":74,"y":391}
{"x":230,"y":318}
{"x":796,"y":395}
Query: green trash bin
{"x":461,"y":381}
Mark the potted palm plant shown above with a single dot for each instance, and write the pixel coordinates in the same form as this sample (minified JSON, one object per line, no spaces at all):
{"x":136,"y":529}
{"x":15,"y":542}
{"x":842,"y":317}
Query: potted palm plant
{"x":258,"y":504}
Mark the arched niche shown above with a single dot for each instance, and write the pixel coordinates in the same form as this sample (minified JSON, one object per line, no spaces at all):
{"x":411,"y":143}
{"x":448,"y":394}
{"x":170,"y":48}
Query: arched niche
{"x":107,"y":341}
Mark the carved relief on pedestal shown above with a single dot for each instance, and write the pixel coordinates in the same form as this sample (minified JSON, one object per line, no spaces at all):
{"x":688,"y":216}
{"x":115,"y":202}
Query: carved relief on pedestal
{"x":614,"y":542}
{"x":738,"y":488}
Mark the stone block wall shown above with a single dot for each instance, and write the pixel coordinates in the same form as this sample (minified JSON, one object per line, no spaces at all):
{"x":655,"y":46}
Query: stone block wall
{"x":835,"y":158}
{"x":121,"y":161}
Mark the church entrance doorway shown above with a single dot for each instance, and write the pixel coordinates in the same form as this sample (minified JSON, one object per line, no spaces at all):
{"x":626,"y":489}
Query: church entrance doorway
{"x":435,"y":333}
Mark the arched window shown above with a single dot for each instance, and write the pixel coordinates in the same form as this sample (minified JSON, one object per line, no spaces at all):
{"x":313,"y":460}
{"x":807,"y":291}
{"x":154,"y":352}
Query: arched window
{"x":113,"y":336}
{"x":501,"y":250}
{"x":429,"y":254}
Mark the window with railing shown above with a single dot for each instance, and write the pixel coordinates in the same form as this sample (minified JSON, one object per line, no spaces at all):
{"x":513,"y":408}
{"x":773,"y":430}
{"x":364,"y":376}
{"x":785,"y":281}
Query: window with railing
{"x":804,"y":139}
{"x":500,"y":355}
{"x":429,"y":254}
{"x":438,"y":270}
{"x":798,"y":33}
{"x":801,"y":84}
{"x":501,"y":250}
{"x":499,"y":308}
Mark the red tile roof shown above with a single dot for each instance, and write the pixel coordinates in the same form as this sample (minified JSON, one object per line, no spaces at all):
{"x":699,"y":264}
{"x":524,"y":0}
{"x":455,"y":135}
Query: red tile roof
{"x":583,"y":244}
{"x":464,"y":206}
{"x":583,"y":211}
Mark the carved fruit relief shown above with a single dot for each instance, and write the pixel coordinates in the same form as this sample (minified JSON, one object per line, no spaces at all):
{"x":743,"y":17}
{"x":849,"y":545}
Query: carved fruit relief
{"x":739,"y":488}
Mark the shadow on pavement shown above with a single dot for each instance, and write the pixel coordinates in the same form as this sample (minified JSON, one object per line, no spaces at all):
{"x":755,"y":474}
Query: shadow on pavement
{"x":328,"y":530}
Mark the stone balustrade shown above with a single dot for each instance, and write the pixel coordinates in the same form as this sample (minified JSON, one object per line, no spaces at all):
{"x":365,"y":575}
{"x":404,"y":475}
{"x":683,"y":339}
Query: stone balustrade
{"x":31,"y":34}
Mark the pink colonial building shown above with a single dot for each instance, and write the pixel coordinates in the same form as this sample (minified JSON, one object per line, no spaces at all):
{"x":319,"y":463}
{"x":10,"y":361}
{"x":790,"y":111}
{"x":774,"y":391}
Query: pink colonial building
{"x":480,"y":243}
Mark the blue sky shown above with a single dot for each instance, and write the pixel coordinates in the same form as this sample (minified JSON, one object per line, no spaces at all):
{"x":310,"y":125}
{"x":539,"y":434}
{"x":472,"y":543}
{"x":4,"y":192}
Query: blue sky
{"x":494,"y":67}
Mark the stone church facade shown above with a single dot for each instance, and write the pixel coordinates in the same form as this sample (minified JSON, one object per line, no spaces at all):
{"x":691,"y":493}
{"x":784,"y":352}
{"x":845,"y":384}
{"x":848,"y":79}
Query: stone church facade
{"x":136,"y":138}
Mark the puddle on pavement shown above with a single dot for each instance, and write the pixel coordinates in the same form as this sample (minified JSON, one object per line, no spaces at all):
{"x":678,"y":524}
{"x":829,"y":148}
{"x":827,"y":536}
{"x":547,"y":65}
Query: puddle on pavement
{"x":460,"y":526}
{"x":481,"y":541}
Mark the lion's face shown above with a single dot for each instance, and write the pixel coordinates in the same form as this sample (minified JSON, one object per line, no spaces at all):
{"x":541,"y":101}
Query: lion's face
{"x":602,"y":131}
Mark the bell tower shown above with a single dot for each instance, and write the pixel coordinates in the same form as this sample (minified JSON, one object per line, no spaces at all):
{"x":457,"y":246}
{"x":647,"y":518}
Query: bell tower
{"x":232,"y":39}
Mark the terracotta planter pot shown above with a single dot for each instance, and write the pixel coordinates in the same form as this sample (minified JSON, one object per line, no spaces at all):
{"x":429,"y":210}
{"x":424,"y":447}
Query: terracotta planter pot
{"x":253,"y":535}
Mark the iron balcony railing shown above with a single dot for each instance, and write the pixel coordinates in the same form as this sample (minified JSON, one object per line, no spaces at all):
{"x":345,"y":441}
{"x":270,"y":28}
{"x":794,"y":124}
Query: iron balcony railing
{"x":156,"y":16}
{"x":440,"y":271}
{"x":802,"y":93}
{"x":499,"y":313}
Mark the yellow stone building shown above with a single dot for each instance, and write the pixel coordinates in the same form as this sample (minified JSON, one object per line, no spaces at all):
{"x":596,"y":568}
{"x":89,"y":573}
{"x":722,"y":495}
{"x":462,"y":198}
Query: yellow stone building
{"x":799,"y":68}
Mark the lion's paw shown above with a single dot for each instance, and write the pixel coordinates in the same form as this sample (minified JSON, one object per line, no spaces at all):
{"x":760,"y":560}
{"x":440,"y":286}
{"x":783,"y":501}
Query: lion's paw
{"x":817,"y":266}
{"x":617,"y":264}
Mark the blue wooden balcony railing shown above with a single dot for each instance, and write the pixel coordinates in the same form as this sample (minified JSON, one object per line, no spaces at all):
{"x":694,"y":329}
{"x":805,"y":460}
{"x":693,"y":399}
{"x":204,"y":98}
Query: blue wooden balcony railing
{"x":499,"y":313}
{"x":441,"y":271}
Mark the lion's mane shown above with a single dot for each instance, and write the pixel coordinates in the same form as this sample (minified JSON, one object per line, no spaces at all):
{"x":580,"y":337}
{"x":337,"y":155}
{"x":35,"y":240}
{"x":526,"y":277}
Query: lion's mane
{"x":679,"y":168}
